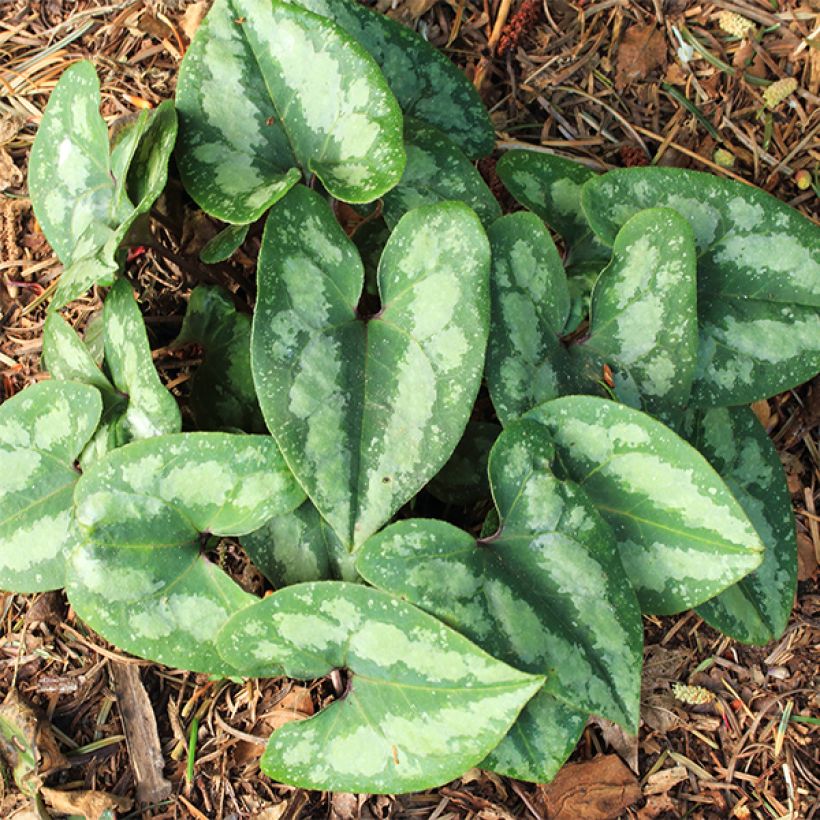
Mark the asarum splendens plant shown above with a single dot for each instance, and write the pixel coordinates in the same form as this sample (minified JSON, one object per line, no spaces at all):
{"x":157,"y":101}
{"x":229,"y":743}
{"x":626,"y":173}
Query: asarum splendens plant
{"x":627,"y":474}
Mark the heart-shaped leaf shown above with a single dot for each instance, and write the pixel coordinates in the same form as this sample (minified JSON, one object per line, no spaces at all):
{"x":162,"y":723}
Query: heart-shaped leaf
{"x":298,"y":546}
{"x":539,"y":742}
{"x":151,"y":410}
{"x":526,"y":361}
{"x":427,"y":85}
{"x":366,"y":411}
{"x":85,"y":196}
{"x":424,"y":704}
{"x":268,"y":88}
{"x":550,"y":187}
{"x":463,"y":479}
{"x":546,"y":593}
{"x":222,"y":391}
{"x":758,"y":276}
{"x":224,"y":244}
{"x":42,"y":431}
{"x":140,"y":579}
{"x":682,"y":535}
{"x":644,"y":312}
{"x":756,"y":609}
{"x":436,"y":171}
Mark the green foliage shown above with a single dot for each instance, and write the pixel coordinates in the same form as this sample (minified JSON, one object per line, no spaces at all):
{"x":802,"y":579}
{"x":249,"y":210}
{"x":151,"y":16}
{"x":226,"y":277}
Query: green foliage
{"x":627,"y":475}
{"x":86,"y":196}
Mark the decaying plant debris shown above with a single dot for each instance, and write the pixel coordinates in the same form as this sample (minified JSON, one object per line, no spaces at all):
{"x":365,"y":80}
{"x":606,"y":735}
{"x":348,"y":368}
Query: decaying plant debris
{"x":739,"y":754}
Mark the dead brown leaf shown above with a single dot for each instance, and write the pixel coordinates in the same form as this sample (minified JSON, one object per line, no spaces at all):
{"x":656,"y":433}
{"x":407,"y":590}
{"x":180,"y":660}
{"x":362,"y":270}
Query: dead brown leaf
{"x":89,"y":804}
{"x":296,"y":705}
{"x":642,"y":50}
{"x":657,"y":805}
{"x":806,"y":558}
{"x":598,"y":789}
{"x":624,"y":744}
{"x":344,"y":806}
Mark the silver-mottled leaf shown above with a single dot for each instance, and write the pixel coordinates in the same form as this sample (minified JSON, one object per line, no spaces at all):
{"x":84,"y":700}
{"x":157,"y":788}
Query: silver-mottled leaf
{"x":437,"y":171}
{"x":165,"y":605}
{"x":758,"y":276}
{"x":682,"y":535}
{"x":526,"y":360}
{"x":140,"y":579}
{"x":644,"y":308}
{"x":756,"y":609}
{"x":423,"y":706}
{"x":42,"y":431}
{"x":546,"y":592}
{"x":366,"y":412}
{"x":427,"y":85}
{"x":151,"y":410}
{"x":298,"y":546}
{"x":69,"y":180}
{"x":267,"y":89}
{"x":550,"y":186}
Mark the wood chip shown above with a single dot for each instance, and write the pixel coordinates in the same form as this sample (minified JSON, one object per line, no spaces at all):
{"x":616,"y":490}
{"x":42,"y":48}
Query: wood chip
{"x":141,"y":736}
{"x":664,"y":780}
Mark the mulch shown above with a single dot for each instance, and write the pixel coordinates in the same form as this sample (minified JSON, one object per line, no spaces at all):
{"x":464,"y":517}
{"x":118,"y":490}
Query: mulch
{"x":728,"y":731}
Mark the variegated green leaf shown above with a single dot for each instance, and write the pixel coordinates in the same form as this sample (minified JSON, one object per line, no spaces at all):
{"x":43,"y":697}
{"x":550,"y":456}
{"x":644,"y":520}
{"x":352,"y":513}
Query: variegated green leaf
{"x":526,"y":360}
{"x":42,"y":431}
{"x":550,"y":186}
{"x":367,"y":410}
{"x":222,"y":391}
{"x":644,"y":312}
{"x":427,"y":85}
{"x":268,"y":88}
{"x":86,"y":197}
{"x":165,"y":605}
{"x":682,"y":535}
{"x":539,"y":742}
{"x":758,"y":276}
{"x":436,"y":171}
{"x":546,"y":592}
{"x":463,"y":479}
{"x":424,"y":703}
{"x":756,"y":609}
{"x":67,"y":358}
{"x":224,"y":244}
{"x":151,"y":410}
{"x":140,"y":579}
{"x":69,"y":180}
{"x":298,"y":546}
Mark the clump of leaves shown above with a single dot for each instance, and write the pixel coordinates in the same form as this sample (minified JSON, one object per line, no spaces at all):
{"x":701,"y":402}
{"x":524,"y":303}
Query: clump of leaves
{"x":626,"y":474}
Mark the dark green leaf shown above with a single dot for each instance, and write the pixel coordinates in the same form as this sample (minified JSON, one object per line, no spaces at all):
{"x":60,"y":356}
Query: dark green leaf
{"x":437,"y":171}
{"x":222,"y":391}
{"x":756,"y":609}
{"x":463,"y":479}
{"x":224,"y":244}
